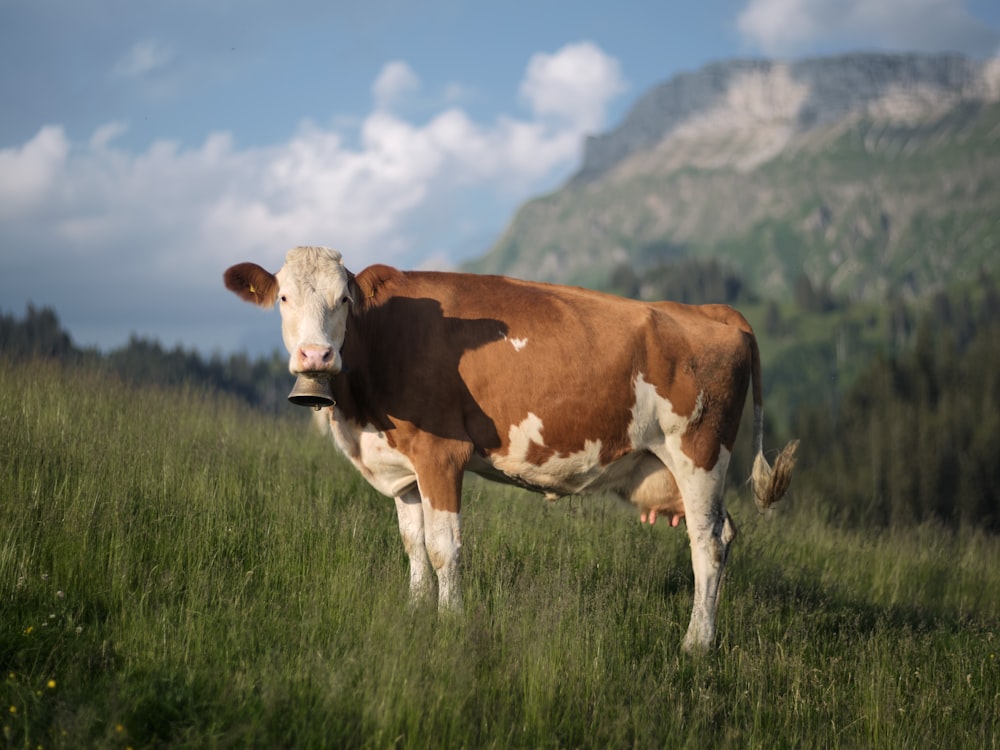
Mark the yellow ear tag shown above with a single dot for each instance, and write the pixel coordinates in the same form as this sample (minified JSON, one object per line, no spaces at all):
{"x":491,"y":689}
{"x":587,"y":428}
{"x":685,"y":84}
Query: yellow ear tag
{"x":253,"y":289}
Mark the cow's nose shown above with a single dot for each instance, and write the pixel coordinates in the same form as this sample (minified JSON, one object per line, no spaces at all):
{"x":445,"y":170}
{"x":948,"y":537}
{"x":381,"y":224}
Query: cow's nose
{"x":315,"y":358}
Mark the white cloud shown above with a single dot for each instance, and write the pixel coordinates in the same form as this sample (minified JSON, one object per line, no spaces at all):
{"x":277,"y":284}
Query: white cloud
{"x":394,"y":82}
{"x":131,"y":228}
{"x":315,"y":188}
{"x":774,"y":25}
{"x":107,"y":133}
{"x":781,"y":27}
{"x":144,"y":57}
{"x":574,"y":83}
{"x":30,"y":172}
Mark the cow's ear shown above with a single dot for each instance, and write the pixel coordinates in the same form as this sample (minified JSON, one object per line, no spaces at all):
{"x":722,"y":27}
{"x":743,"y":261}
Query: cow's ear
{"x":252,"y":283}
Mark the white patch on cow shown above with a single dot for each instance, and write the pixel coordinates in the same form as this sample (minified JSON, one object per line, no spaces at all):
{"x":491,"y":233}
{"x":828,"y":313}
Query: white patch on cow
{"x":566,"y":474}
{"x":386,"y":469}
{"x":699,"y":408}
{"x":656,"y":427}
{"x":653,"y":417}
{"x":521,"y":436}
{"x":518,"y":344}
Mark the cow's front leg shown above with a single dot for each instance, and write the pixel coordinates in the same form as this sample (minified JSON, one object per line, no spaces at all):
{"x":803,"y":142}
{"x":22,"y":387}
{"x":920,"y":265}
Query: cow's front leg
{"x":439,"y":477}
{"x":443,"y":540}
{"x":410,"y":513}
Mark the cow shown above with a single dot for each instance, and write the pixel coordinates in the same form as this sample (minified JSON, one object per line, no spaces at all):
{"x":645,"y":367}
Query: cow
{"x":557,"y":389}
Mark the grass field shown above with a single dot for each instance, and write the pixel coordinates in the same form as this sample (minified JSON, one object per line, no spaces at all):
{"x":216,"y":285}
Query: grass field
{"x":176,"y":571}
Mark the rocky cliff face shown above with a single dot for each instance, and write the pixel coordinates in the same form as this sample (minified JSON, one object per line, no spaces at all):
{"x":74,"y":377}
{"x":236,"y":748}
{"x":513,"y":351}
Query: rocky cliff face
{"x":788,"y":99}
{"x":865,"y":172}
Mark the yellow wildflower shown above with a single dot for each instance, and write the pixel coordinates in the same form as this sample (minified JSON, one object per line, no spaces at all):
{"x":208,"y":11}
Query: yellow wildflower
{"x":51,"y":684}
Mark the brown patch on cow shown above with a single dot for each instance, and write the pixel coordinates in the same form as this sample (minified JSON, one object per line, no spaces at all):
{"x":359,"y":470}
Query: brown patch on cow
{"x":576,"y":400}
{"x":725,"y":368}
{"x":743,"y":360}
{"x":440,"y":465}
{"x":712,"y":387}
{"x":252,"y":284}
{"x":538,"y":454}
{"x":415,"y":364}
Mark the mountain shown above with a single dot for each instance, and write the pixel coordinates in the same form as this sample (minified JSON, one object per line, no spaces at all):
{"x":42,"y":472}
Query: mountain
{"x":866,"y":173}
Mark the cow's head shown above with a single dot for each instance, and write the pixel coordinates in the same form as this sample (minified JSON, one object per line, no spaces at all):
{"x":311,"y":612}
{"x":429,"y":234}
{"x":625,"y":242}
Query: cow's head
{"x":313,"y":292}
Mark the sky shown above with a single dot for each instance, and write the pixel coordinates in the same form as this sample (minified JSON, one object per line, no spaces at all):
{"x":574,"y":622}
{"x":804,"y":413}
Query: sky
{"x":145,"y":147}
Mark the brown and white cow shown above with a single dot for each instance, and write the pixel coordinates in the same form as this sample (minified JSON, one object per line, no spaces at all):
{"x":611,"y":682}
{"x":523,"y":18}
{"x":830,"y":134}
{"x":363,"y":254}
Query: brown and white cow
{"x":557,"y":389}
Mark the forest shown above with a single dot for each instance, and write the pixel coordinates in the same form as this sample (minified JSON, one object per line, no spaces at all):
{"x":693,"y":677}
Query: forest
{"x":261,"y":383}
{"x":896,"y":407}
{"x":914,"y":438}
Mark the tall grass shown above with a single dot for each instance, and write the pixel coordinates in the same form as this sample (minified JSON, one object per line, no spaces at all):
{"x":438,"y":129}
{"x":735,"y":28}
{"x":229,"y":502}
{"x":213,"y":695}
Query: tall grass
{"x":175,"y":571}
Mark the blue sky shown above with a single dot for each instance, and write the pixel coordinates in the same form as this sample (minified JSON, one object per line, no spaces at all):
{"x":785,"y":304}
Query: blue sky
{"x":144,"y":147}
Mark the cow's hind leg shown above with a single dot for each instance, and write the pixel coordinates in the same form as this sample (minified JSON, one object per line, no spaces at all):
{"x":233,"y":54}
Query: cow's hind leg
{"x":410,"y":512}
{"x":711,"y":531}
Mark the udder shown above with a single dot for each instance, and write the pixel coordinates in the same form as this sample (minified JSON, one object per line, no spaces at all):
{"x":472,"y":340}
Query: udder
{"x":654,"y":491}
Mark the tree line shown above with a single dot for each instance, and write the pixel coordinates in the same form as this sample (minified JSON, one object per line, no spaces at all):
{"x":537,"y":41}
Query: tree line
{"x":262,"y":383}
{"x":915,"y":437}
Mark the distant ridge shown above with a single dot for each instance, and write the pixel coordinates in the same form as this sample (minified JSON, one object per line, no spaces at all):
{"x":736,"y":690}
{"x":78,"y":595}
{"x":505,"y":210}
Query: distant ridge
{"x":828,"y":89}
{"x":867,"y":172}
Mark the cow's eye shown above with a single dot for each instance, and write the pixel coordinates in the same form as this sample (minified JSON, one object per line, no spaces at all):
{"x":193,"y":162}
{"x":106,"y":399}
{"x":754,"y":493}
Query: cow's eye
{"x":284,"y":298}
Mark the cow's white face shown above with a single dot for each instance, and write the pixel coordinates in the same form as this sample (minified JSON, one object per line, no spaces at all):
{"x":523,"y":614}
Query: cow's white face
{"x":313,"y":296}
{"x":314,"y":302}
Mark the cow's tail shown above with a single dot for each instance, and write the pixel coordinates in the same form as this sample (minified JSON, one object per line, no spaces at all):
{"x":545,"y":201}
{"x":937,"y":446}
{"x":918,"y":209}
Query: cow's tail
{"x":769,"y":482}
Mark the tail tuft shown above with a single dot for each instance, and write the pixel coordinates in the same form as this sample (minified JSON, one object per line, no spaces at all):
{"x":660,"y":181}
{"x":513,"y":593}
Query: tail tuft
{"x":769,"y":484}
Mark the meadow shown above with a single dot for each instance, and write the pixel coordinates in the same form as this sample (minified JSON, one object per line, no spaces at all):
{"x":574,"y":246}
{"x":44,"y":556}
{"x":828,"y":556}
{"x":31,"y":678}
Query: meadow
{"x":179,"y":571}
